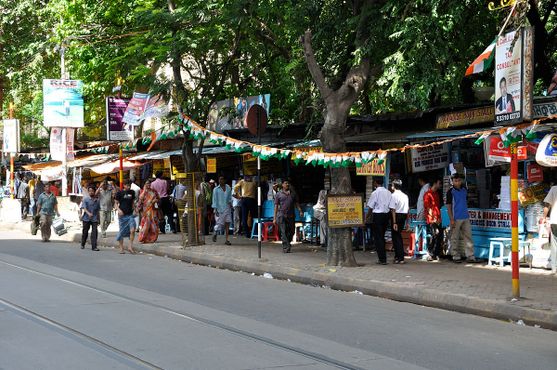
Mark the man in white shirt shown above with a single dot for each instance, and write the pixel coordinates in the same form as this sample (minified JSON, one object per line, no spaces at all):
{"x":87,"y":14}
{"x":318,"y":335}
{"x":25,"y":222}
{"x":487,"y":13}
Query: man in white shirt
{"x":378,"y":205}
{"x":550,"y":207}
{"x":424,"y":187}
{"x":399,"y":211}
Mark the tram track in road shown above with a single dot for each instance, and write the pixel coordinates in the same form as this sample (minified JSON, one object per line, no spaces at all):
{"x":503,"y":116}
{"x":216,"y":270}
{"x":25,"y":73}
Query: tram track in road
{"x":139,"y":363}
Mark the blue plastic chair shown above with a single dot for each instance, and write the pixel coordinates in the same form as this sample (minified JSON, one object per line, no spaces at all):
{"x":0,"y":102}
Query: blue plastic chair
{"x":267,"y":214}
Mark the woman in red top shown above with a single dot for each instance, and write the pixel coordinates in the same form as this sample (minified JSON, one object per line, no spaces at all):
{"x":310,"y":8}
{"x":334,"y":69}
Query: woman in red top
{"x":432,"y":212}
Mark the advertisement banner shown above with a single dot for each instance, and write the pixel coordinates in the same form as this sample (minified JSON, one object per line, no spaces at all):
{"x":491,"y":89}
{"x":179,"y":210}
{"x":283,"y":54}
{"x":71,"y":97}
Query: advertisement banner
{"x":211,"y":165}
{"x":490,"y":219}
{"x":534,"y":172}
{"x":116,"y":129}
{"x":135,"y":109}
{"x":430,"y":158}
{"x":513,"y":77}
{"x":156,"y":107}
{"x":63,"y":103}
{"x":231,"y":113}
{"x":495,"y":151}
{"x":60,"y":144}
{"x":10,"y":135}
{"x":546,"y":155}
{"x":372,"y":168}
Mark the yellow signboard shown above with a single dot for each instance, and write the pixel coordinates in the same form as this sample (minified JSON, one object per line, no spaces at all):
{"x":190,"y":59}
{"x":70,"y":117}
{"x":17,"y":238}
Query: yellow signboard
{"x":211,"y":165}
{"x":345,"y":211}
{"x":372,"y":168}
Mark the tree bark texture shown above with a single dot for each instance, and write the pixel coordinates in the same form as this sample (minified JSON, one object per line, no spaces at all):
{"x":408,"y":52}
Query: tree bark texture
{"x":338,"y":103}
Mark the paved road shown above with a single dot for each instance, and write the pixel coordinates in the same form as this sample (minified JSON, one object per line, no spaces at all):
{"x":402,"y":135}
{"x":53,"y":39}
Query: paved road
{"x":62,"y":307}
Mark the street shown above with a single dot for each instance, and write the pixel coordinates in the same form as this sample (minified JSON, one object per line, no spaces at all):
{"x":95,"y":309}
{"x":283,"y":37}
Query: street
{"x":66,"y":308}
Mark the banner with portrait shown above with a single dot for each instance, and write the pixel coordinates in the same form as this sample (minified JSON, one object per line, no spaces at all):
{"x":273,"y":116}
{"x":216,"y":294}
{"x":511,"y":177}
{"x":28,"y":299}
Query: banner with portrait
{"x":514,"y":77}
{"x":231,"y":114}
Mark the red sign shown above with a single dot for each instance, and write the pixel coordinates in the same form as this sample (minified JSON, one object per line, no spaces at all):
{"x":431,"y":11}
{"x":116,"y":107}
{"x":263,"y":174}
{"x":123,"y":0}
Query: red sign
{"x":534,"y":172}
{"x":498,"y":152}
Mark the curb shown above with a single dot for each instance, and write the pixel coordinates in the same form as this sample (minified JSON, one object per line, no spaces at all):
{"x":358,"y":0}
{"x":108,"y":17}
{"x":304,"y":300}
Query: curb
{"x":425,"y":297}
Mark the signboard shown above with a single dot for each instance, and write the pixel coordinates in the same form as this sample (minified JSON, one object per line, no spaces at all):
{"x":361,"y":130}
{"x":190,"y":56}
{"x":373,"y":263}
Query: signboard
{"x":61,"y":144}
{"x":465,"y":118}
{"x":10,"y":135}
{"x":63,"y":103}
{"x":135,"y":109}
{"x":231,"y":113}
{"x":211,"y":165}
{"x":490,"y":219}
{"x":514,"y":77}
{"x":117,"y":130}
{"x":372,"y":168}
{"x":345,"y":211}
{"x":430,"y":158}
{"x":534,"y":172}
{"x":156,"y":107}
{"x":496,"y":151}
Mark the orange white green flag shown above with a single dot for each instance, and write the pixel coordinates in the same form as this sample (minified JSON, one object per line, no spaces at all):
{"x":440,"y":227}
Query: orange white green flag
{"x":483,"y":61}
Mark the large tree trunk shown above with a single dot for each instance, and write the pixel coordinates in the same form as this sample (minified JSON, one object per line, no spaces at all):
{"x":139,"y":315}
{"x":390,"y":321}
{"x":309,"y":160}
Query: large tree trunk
{"x":338,"y":103}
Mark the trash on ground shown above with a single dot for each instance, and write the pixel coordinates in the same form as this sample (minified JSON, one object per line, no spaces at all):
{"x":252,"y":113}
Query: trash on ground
{"x":357,"y":292}
{"x":267,"y":275}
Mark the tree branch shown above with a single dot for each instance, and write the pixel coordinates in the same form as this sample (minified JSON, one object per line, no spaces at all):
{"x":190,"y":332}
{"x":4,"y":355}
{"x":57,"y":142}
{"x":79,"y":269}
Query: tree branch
{"x":548,"y":9}
{"x":314,"y":68}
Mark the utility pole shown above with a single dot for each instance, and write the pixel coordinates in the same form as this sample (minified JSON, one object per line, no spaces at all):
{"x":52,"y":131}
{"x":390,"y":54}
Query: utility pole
{"x":64,"y":129}
{"x":12,"y":177}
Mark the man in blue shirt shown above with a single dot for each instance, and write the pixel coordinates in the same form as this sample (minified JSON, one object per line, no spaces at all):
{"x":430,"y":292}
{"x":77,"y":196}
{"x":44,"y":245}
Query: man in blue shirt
{"x":222,"y":206}
{"x":461,"y":231}
{"x":90,"y":208}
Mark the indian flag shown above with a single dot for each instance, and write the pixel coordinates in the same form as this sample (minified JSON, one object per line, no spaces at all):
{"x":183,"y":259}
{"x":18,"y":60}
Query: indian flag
{"x":482,"y":62}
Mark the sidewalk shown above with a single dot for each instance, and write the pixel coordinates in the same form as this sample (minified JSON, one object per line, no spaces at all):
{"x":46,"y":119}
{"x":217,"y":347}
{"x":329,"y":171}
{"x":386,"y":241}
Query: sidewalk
{"x":468,"y":288}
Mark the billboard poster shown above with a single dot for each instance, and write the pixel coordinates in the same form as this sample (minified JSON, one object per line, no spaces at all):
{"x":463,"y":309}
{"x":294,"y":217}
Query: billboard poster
{"x":10,"y":136}
{"x":63,"y":103}
{"x":156,"y":107}
{"x":135,"y":109}
{"x":231,"y":113}
{"x":430,"y":158}
{"x":514,"y":77}
{"x":61,"y":144}
{"x":116,"y":129}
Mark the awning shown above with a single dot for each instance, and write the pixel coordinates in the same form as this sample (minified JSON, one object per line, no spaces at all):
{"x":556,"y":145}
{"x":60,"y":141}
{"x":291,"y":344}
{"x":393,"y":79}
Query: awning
{"x":55,"y":166}
{"x":435,"y":134}
{"x":378,"y":138}
{"x":161,"y":154}
{"x":114,"y":166}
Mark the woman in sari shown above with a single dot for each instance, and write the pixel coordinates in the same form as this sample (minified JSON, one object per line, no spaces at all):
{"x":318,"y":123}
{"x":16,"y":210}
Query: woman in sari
{"x":147,"y":206}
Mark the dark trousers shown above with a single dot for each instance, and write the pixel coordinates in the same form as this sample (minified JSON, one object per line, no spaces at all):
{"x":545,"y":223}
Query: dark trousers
{"x":85,"y":233}
{"x":286,"y":226}
{"x":166,"y":208}
{"x":435,"y":244}
{"x":249,"y":206}
{"x":398,"y":245}
{"x":379,"y":227}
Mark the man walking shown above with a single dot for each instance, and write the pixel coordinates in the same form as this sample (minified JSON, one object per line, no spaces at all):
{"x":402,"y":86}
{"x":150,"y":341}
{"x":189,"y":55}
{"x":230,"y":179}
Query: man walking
{"x":457,"y":205}
{"x":47,"y":207}
{"x":550,"y":208}
{"x":285,"y":201}
{"x":378,"y":205}
{"x":424,"y":187}
{"x":222,"y":203}
{"x":246,"y":189}
{"x":399,"y":211}
{"x":105,"y":194}
{"x":90,"y":208}
{"x":160,"y":185}
{"x":22,"y":194}
{"x":237,"y":207}
{"x":126,"y":220}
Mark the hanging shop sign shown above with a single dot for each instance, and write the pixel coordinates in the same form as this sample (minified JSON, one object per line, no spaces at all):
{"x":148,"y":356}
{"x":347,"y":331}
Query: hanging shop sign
{"x":546,"y":155}
{"x":61,"y":144}
{"x":116,"y":128}
{"x":430,"y":158}
{"x":372,"y":168}
{"x":63,"y":103}
{"x":345,"y":211}
{"x":533,"y":194}
{"x":496,"y":152}
{"x":232,"y":113}
{"x":514,"y":77}
{"x":534,"y":172}
{"x":135,"y":109}
{"x":10,"y":136}
{"x":211,"y":165}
